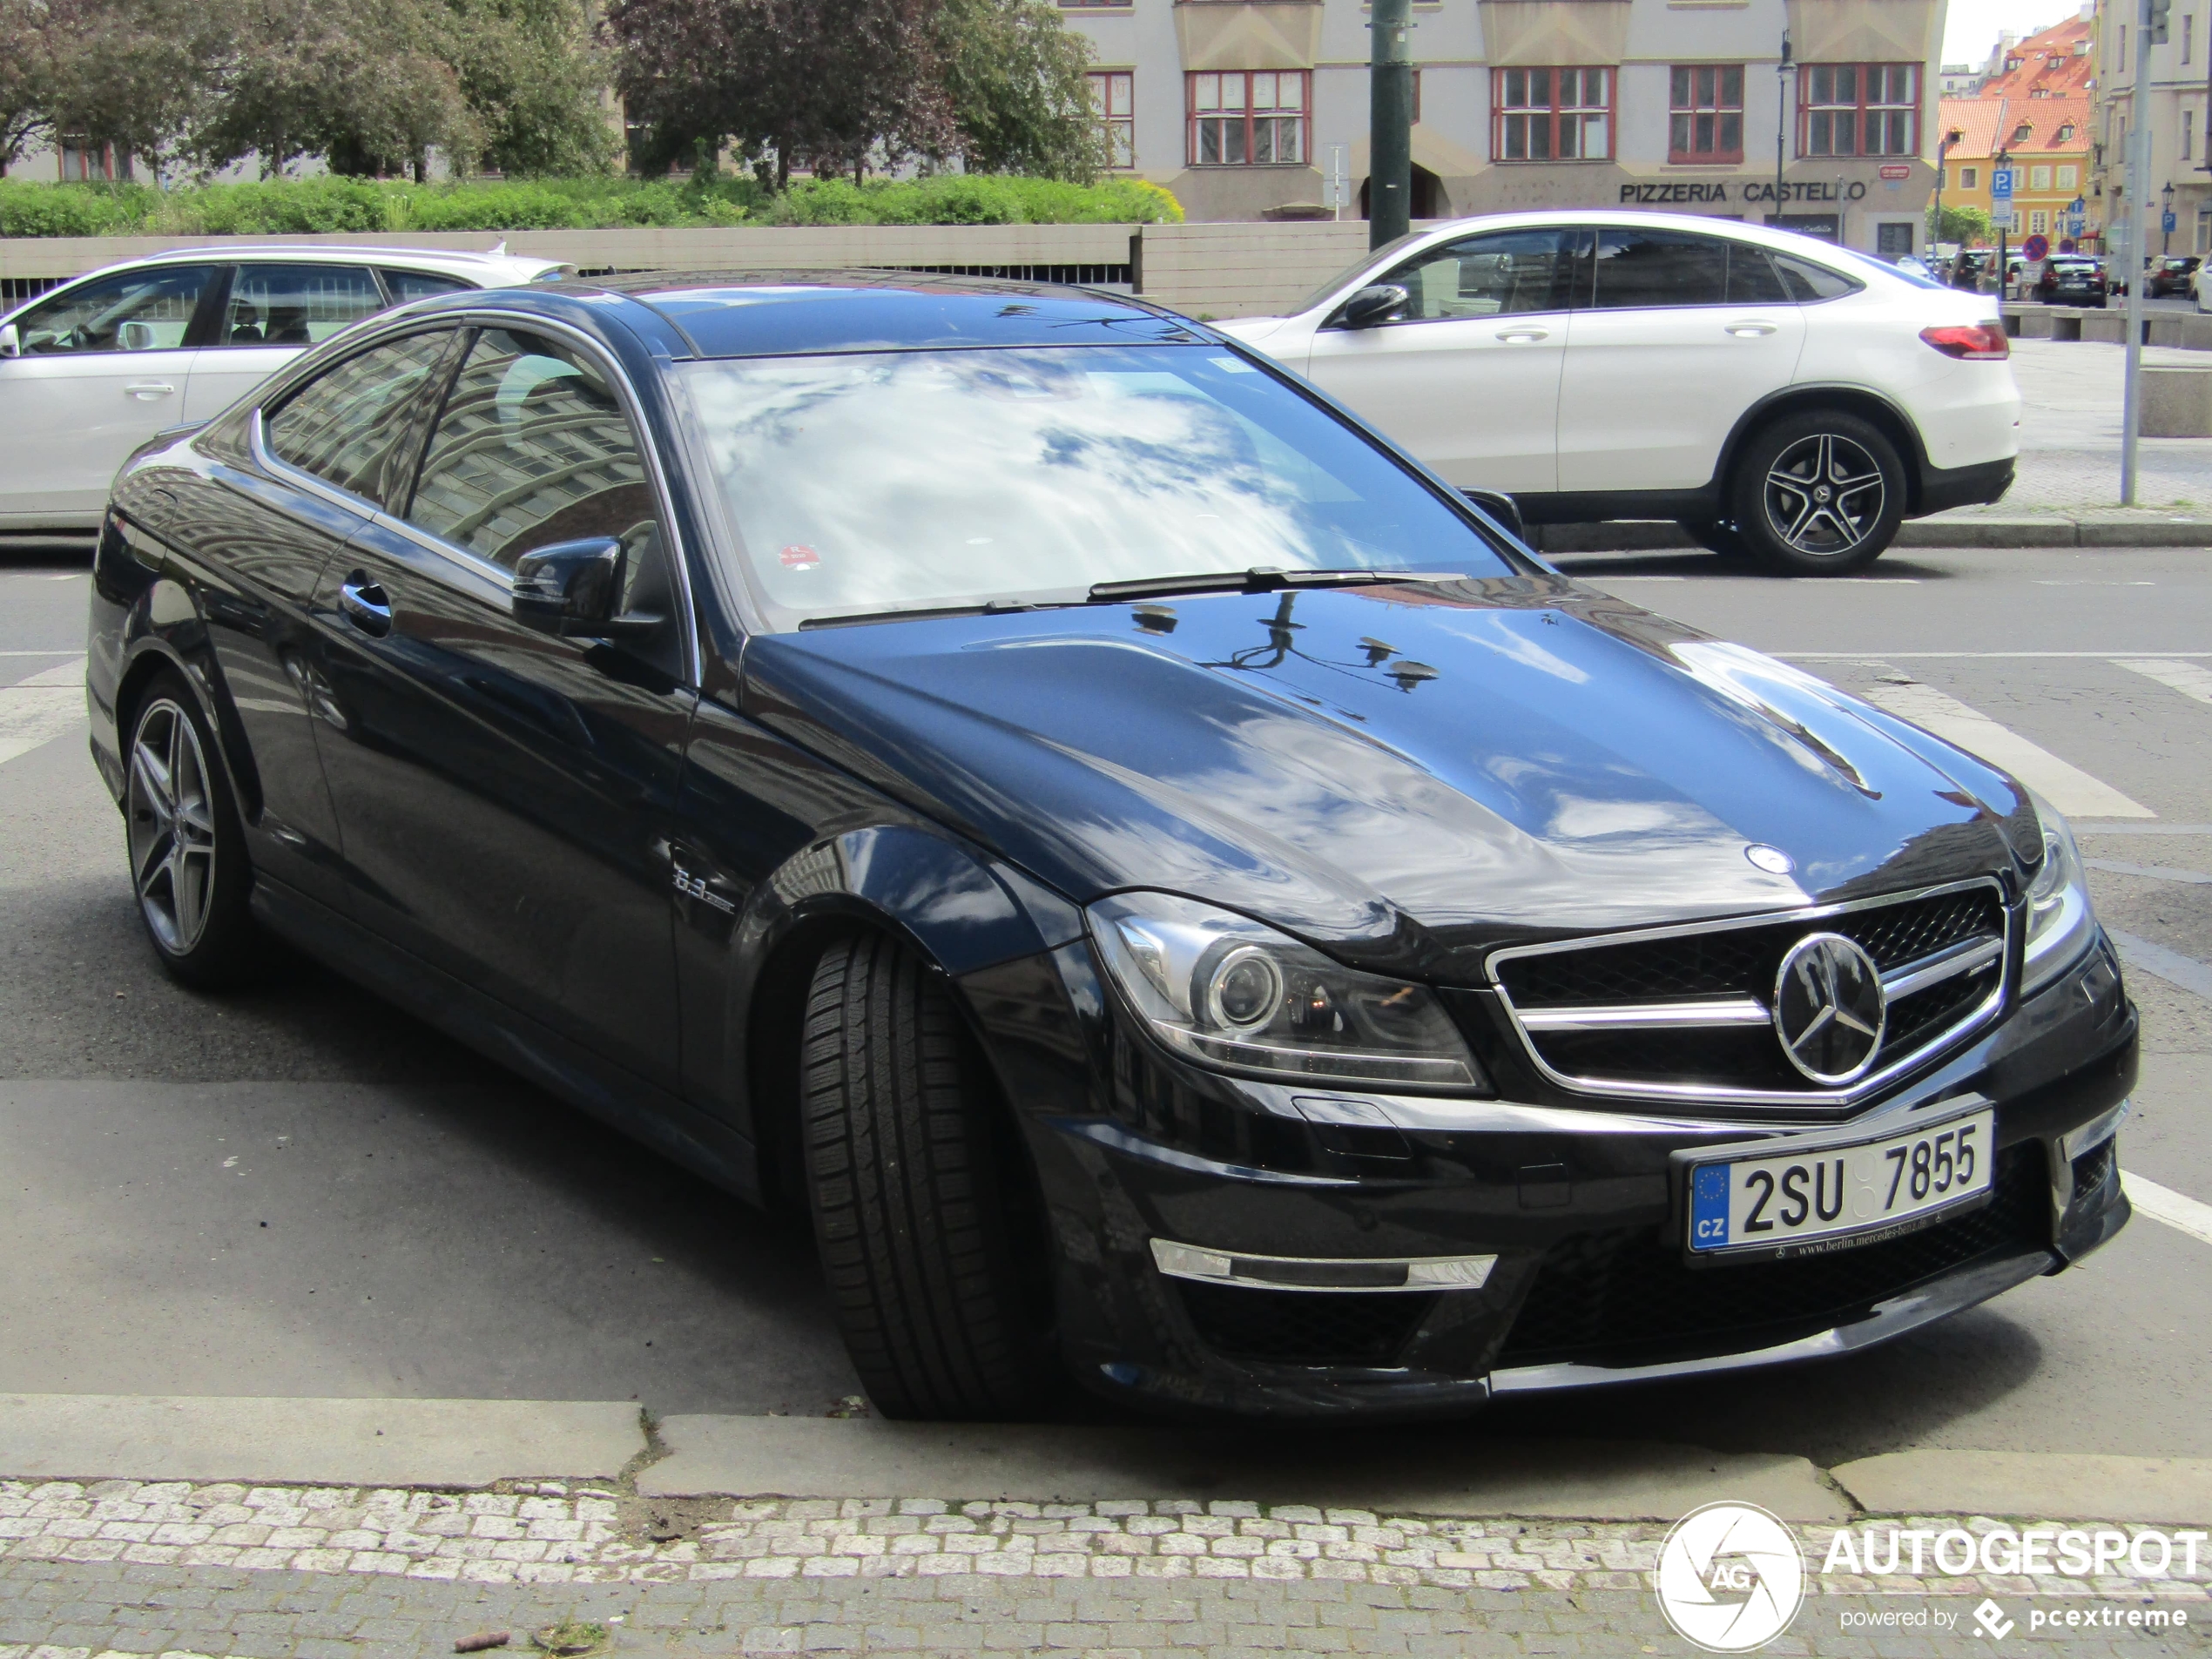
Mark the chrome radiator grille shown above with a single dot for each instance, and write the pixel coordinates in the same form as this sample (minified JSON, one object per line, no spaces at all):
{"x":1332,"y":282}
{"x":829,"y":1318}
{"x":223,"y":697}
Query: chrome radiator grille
{"x":1687,"y":1012}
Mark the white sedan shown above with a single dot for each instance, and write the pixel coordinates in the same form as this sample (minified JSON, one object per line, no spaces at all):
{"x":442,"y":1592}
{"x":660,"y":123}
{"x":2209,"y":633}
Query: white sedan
{"x":91,"y":369}
{"x":1779,"y":397}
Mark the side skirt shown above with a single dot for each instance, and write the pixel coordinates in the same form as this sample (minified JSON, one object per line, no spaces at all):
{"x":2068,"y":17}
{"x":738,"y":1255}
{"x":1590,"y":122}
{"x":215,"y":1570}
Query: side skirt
{"x":671,"y":1126}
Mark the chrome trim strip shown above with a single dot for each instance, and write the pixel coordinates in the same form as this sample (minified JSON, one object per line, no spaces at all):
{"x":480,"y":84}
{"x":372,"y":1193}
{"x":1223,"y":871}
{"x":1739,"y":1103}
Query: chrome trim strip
{"x":1416,"y":1273}
{"x":1781,"y":1100}
{"x":2095,"y":1132}
{"x":1649,"y":1016}
{"x":1947,"y":1295}
{"x":1965,"y":957}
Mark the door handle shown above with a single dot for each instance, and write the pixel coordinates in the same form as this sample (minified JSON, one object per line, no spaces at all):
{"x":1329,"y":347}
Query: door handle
{"x":1524,"y":333}
{"x":1750,"y":330}
{"x":146,"y":391}
{"x":366,"y":605}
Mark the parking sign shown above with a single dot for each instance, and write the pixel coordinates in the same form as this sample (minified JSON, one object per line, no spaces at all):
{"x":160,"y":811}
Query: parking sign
{"x":2000,"y":185}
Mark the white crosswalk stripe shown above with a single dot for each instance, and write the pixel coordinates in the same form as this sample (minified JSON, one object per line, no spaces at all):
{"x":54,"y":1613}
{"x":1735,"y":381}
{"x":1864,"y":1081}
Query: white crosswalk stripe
{"x":2168,"y":965}
{"x":2073,"y":791}
{"x":2190,"y":679}
{"x":35,"y":712}
{"x":2163,"y":1204}
{"x":2153,"y":872}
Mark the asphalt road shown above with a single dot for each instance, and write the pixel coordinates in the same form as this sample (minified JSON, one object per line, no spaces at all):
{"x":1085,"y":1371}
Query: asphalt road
{"x":300,"y":1191}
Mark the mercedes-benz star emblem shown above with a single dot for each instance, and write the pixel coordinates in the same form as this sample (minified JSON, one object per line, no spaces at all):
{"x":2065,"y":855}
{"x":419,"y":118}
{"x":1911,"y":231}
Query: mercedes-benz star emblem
{"x":1829,"y":1008}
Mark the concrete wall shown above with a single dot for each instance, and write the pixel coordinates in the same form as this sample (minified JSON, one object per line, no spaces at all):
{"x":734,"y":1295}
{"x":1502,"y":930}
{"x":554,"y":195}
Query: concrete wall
{"x":734,"y":249}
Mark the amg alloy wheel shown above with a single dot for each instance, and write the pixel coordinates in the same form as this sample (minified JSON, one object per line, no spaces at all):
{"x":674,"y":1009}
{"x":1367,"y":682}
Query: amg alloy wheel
{"x":188,"y":866}
{"x":1819,"y":494}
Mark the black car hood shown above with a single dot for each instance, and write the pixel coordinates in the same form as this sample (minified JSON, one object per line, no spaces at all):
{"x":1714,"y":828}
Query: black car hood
{"x":1405,"y":775}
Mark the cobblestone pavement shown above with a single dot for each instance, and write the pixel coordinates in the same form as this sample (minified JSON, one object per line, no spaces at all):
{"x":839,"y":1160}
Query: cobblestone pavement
{"x":121,"y":1568}
{"x":2070,"y":432}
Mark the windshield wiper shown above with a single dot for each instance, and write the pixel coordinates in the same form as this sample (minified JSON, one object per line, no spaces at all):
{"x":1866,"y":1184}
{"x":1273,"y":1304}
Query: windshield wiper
{"x":987,"y":608}
{"x":1259,"y":579}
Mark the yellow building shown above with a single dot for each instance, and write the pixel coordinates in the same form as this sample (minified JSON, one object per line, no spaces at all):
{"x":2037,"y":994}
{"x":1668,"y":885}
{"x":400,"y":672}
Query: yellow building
{"x":2046,"y":144}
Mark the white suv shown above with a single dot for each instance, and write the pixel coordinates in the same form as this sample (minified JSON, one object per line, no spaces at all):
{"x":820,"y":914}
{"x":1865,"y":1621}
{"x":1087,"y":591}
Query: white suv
{"x":1779,"y":397}
{"x":91,"y":370}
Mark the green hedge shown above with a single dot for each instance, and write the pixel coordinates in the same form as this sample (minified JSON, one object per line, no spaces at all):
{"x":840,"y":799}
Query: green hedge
{"x":329,"y":204}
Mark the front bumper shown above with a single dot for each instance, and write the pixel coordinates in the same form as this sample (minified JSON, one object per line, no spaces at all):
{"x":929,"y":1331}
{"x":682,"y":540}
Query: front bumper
{"x":1576,"y":1203}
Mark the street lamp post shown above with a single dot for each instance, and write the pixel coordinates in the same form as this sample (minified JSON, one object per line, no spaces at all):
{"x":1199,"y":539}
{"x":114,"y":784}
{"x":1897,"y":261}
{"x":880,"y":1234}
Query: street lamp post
{"x":2165,"y":221}
{"x":1781,"y":121}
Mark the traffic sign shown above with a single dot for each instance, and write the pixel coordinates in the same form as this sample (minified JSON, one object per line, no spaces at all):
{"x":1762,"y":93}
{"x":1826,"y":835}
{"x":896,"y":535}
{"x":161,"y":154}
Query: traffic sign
{"x":2036,"y":247}
{"x":2167,"y":222}
{"x":2000,"y":218}
{"x":2001,"y":184}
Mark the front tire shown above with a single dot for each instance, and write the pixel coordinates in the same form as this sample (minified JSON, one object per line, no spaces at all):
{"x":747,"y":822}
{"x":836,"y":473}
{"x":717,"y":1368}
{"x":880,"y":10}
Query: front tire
{"x":188,"y":866}
{"x":931,"y":1239}
{"x":1819,"y":493}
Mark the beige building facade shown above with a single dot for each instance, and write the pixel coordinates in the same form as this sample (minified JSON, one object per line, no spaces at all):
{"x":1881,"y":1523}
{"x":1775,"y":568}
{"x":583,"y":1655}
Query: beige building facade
{"x":1250,"y":109}
{"x":2178,"y":128}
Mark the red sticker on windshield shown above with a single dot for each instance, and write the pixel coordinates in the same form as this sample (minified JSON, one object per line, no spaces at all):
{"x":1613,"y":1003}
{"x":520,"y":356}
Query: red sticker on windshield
{"x":800,"y":558}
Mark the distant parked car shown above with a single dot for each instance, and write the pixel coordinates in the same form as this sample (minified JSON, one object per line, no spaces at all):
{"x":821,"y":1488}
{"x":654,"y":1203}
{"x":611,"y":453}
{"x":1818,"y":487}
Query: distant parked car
{"x":2171,"y":275}
{"x":1782,"y":398}
{"x":2071,"y":279}
{"x":91,"y":370}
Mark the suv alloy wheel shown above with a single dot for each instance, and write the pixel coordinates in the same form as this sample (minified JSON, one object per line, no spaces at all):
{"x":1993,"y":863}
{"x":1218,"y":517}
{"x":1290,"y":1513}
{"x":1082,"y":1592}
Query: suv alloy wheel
{"x":1819,"y":493}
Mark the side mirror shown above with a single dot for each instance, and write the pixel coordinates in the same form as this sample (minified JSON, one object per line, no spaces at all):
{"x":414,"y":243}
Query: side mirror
{"x":10,"y":342}
{"x":1371,"y":305}
{"x":1502,"y":509}
{"x":135,"y":336}
{"x":569,"y":589}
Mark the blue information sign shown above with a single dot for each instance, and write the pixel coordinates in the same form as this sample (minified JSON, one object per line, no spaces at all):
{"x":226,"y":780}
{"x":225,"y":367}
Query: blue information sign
{"x":2001,"y":184}
{"x":2167,"y":222}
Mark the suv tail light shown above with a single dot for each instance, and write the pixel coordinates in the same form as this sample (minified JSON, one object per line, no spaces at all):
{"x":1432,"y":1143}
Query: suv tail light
{"x":1975,"y":341}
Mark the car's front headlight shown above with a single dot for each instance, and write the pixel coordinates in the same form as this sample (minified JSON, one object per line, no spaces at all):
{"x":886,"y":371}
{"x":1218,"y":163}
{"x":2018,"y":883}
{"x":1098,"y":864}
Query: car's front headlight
{"x":2061,"y":923}
{"x":1239,"y":996}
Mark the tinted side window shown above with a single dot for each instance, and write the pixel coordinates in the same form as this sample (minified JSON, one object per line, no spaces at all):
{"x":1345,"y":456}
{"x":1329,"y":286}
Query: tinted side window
{"x":419,"y":284}
{"x":133,"y":311}
{"x":348,"y":425}
{"x":1807,"y":281}
{"x":532,"y":448}
{"x":1505,"y":272}
{"x":297,"y":304}
{"x":1751,"y":278}
{"x":1642,"y":268}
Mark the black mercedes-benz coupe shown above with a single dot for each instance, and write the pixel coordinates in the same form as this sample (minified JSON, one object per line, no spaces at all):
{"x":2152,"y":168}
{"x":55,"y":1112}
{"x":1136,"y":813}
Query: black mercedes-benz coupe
{"x":1185,"y":901}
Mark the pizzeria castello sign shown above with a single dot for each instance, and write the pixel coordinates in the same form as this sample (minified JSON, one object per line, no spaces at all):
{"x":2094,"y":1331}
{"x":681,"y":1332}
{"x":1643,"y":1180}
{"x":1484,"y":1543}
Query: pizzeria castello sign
{"x":1684,"y":192}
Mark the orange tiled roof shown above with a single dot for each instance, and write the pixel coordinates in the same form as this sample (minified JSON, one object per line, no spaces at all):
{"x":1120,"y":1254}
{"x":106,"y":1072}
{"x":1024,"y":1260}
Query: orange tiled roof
{"x":2051,"y":65}
{"x":1985,"y":123}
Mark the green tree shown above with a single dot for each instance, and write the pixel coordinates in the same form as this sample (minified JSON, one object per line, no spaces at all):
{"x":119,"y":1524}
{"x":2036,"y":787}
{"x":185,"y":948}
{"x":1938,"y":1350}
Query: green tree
{"x":132,"y":72}
{"x":1968,"y":226}
{"x":367,"y":88}
{"x":25,"y":90}
{"x":532,"y":76}
{"x":1015,"y":78}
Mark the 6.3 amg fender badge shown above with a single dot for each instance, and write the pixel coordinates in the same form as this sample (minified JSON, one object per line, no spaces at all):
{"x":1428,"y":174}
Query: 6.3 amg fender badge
{"x":1830,"y":1009}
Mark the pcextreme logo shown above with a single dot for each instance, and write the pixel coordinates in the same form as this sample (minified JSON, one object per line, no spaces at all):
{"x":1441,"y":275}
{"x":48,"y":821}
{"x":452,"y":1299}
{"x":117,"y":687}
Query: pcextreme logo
{"x":1731,"y":1577}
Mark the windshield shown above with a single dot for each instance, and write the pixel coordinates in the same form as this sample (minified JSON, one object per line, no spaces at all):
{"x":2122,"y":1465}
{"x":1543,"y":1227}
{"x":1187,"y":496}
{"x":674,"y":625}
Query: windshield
{"x":917,"y":480}
{"x":1916,"y":275}
{"x":1377,"y":257}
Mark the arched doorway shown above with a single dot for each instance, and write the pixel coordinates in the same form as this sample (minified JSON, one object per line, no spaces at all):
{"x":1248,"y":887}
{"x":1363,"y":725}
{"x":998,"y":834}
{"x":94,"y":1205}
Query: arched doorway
{"x":1429,"y":199}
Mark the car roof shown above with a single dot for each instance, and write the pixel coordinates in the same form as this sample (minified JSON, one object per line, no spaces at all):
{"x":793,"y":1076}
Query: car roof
{"x":496,"y":266}
{"x":752,"y":314}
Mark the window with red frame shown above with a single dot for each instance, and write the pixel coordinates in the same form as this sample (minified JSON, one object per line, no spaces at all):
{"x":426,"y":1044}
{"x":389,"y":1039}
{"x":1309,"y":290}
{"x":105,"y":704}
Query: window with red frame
{"x":1554,"y":115}
{"x":1858,"y":109}
{"x":1248,"y":118}
{"x":1705,"y":113}
{"x":1113,"y":106}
